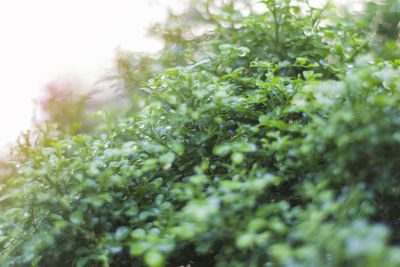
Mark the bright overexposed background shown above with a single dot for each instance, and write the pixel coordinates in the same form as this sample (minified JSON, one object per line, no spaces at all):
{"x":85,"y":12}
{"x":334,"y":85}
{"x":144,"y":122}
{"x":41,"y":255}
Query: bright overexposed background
{"x":43,"y":40}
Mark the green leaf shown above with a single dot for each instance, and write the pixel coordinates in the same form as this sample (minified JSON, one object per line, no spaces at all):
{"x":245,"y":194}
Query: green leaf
{"x":167,"y":158}
{"x":222,"y":149}
{"x":237,"y":158}
{"x":245,"y":241}
{"x":138,"y":234}
{"x":122,"y":233}
{"x":76,"y":217}
{"x":36,"y":260}
{"x":243,"y":51}
{"x":244,"y":147}
{"x":154,"y":258}
{"x":178,"y":148}
{"x":157,"y":183}
{"x":82,"y":261}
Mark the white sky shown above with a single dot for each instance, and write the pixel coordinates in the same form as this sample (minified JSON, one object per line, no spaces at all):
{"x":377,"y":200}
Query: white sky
{"x":42,"y":40}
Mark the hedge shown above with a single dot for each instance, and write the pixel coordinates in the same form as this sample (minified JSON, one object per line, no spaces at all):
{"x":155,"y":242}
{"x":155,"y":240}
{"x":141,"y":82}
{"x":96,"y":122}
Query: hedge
{"x":273,"y":141}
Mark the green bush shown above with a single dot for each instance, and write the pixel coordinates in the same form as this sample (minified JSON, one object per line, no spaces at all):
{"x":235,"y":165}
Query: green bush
{"x":274,"y":144}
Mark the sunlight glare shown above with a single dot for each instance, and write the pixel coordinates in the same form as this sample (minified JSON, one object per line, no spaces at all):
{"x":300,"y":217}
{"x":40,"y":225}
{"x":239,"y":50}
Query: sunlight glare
{"x":45,"y":39}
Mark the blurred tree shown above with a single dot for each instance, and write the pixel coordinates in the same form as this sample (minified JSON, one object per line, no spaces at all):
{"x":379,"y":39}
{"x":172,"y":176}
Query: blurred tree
{"x":382,"y":18}
{"x":64,"y":103}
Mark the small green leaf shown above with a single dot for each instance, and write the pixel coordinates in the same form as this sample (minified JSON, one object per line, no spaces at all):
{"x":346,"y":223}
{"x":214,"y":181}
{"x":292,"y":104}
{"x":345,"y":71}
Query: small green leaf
{"x":76,"y":217}
{"x":167,"y":158}
{"x":138,"y":234}
{"x":82,"y":262}
{"x":243,"y":51}
{"x":237,"y":158}
{"x":154,"y":258}
{"x":157,"y":183}
{"x":36,"y":260}
{"x":302,"y":60}
{"x":263,"y":118}
{"x":178,"y":148}
{"x":122,"y":233}
{"x":308,"y":74}
{"x":139,"y":248}
{"x":61,"y":224}
{"x":222,"y":149}
{"x":118,"y":180}
{"x":245,"y":241}
{"x":244,"y":147}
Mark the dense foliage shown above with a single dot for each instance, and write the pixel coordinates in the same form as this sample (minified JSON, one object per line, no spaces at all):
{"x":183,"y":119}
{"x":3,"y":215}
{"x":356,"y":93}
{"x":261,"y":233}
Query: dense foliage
{"x":270,"y":139}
